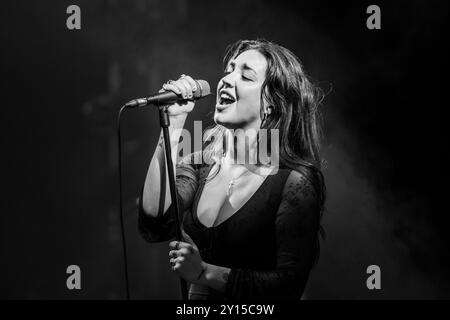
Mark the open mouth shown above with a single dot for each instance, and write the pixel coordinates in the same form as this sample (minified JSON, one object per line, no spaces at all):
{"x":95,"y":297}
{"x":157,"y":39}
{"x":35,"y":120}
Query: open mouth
{"x":225,"y":99}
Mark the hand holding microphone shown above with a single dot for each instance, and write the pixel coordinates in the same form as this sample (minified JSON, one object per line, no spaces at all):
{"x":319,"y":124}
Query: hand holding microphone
{"x":185,"y":87}
{"x":179,"y":95}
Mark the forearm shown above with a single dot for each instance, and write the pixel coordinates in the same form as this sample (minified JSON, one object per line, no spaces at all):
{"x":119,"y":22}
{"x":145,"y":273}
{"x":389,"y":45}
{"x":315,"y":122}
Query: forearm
{"x":278,"y":284}
{"x":157,"y":175}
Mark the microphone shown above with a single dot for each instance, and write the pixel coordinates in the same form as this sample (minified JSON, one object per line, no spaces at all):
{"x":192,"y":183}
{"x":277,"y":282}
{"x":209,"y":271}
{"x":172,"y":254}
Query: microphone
{"x":169,"y":97}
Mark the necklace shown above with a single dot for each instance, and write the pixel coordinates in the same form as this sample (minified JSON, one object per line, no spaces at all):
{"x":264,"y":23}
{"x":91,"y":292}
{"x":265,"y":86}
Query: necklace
{"x":233,"y":181}
{"x":231,"y":184}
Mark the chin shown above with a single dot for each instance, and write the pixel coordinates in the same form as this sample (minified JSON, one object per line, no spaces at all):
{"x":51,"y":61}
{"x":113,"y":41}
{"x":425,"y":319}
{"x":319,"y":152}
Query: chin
{"x":228,"y":124}
{"x":219,"y":119}
{"x":224,"y":116}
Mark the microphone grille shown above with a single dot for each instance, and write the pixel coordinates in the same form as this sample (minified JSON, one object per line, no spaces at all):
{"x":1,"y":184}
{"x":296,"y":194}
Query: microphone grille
{"x":204,"y":89}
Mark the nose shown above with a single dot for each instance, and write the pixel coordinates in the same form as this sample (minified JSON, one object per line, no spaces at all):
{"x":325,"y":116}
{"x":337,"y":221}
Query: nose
{"x":228,"y":80}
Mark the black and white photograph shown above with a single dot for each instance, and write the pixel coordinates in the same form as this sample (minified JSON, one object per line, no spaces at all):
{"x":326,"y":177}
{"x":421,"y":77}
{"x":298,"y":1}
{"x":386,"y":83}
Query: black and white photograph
{"x":224,"y":151}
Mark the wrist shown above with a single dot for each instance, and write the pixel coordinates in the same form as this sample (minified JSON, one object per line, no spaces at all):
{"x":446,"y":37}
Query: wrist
{"x":176,"y":129}
{"x":204,"y":275}
{"x":177,"y":121}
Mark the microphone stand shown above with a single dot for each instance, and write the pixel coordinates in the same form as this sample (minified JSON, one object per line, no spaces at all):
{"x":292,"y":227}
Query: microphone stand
{"x":122,"y":224}
{"x":164,"y":122}
{"x":159,"y":101}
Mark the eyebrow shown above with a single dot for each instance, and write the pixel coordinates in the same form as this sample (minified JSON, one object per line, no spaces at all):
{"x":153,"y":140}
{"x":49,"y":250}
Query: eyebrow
{"x":245,"y":66}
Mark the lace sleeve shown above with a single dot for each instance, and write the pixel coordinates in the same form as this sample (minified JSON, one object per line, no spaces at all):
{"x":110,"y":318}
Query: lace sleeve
{"x":297,"y":226}
{"x":162,"y":228}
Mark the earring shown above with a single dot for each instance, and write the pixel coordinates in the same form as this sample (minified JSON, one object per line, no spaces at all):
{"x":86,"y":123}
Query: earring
{"x":267,"y":113}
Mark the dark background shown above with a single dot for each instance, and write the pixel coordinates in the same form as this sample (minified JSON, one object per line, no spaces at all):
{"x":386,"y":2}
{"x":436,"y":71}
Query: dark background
{"x":384,"y":125}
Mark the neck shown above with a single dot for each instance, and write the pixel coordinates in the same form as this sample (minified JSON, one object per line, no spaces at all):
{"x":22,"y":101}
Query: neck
{"x":241,"y":146}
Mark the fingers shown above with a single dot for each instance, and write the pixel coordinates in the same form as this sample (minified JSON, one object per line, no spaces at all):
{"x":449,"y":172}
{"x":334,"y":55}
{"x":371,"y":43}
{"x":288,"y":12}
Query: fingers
{"x":176,"y":260}
{"x":176,"y":245}
{"x":189,"y":85}
{"x":173,"y":253}
{"x":172,"y":87}
{"x":185,"y":87}
{"x":192,"y":83}
{"x":180,"y":253}
{"x":176,"y":263}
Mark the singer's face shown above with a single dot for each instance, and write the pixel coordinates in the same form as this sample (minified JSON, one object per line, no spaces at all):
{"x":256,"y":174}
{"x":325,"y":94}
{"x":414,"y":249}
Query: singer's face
{"x":238,"y":102}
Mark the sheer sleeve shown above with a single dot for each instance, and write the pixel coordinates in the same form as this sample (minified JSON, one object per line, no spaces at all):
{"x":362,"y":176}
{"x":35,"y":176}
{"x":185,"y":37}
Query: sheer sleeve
{"x":162,"y":228}
{"x":297,"y":225}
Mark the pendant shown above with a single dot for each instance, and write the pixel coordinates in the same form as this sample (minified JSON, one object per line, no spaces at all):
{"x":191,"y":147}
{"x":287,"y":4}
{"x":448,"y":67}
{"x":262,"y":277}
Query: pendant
{"x":230,"y":187}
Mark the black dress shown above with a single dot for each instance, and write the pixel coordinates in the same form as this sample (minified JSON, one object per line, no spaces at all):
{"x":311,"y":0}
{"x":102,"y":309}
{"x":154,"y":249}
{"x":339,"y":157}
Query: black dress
{"x":269,"y":243}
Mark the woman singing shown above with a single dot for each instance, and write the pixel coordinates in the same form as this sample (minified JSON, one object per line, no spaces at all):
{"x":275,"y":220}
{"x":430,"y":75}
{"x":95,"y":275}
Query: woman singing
{"x":251,"y":230}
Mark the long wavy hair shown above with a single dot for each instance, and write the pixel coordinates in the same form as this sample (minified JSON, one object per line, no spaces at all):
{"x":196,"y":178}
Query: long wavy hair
{"x":295,"y":113}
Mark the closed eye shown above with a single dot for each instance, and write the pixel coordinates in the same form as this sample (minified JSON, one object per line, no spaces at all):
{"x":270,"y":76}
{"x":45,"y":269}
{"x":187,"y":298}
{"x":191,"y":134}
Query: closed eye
{"x":243,"y":77}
